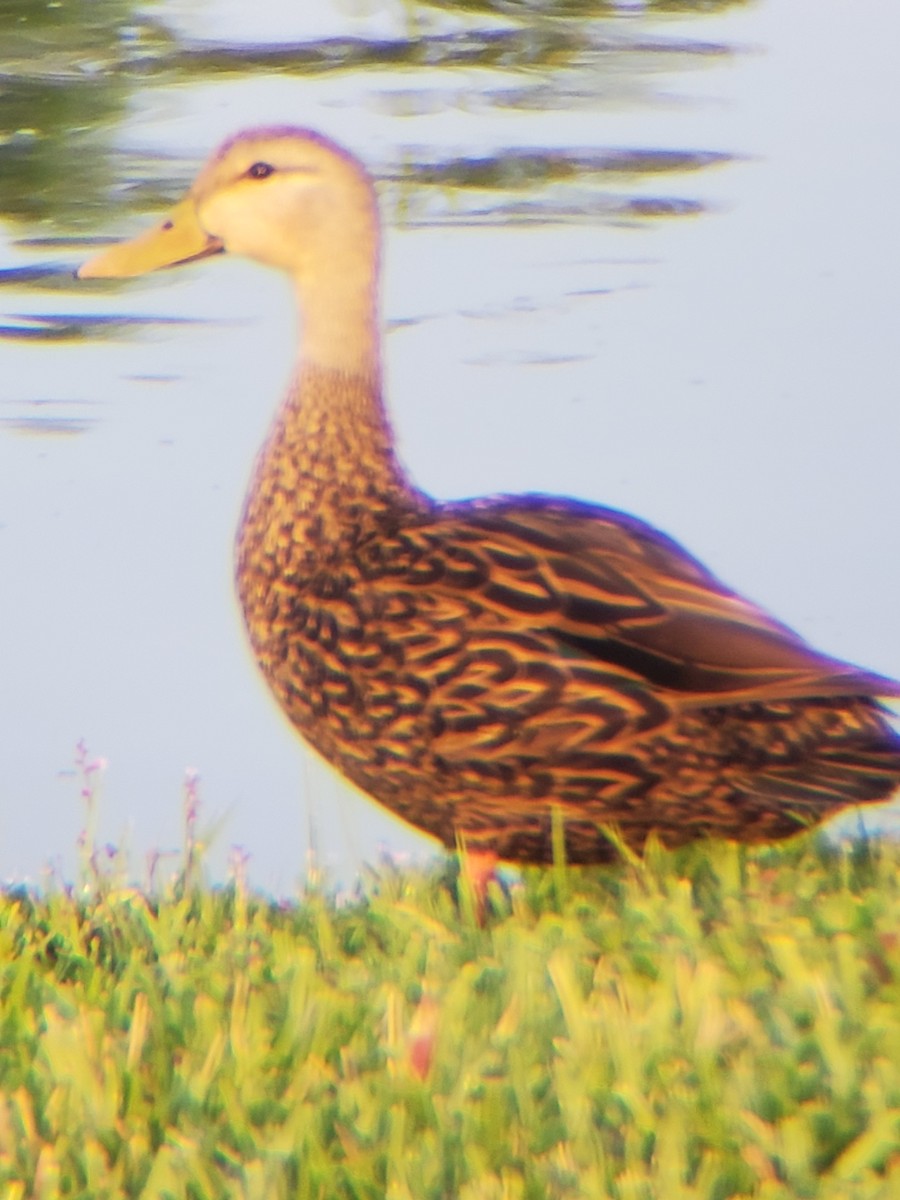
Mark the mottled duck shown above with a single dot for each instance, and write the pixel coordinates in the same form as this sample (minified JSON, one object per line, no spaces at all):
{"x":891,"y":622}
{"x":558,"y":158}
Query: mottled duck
{"x":476,"y":666}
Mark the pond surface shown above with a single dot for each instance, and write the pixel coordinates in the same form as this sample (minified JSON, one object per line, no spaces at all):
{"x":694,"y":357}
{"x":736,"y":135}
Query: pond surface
{"x":643,"y":254}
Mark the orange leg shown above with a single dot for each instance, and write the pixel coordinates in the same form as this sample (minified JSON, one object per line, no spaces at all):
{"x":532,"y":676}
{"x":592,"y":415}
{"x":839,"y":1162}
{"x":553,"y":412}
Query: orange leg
{"x":478,"y":868}
{"x":422,"y":1034}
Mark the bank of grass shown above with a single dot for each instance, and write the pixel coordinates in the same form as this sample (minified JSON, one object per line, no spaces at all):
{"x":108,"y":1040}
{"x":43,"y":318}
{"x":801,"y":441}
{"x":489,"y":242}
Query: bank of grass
{"x":718,"y":1022}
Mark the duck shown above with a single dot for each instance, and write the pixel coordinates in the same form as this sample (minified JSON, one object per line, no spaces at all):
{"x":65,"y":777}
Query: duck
{"x":522,"y":675}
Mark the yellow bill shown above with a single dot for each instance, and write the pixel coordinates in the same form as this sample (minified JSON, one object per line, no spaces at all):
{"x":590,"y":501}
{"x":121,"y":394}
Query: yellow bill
{"x":177,"y":239}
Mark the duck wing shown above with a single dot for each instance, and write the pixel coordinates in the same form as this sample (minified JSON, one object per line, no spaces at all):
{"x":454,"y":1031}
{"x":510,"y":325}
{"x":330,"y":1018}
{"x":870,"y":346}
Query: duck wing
{"x":534,"y":608}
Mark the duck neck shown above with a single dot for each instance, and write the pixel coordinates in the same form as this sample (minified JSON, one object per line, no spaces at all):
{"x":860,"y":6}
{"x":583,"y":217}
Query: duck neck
{"x":340,"y":326}
{"x":326,"y":477}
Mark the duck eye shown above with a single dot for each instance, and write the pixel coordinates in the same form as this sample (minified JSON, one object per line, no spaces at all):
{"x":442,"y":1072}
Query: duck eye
{"x":260,"y":170}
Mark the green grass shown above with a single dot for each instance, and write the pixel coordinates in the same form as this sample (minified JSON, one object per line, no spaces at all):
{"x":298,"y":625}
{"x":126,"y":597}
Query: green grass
{"x":718,"y":1022}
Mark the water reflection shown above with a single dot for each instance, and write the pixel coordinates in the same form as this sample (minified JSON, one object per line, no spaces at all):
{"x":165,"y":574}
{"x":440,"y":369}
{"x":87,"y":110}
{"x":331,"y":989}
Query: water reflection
{"x":69,"y":72}
{"x":58,"y":99}
{"x":56,"y":327}
{"x":52,"y":426}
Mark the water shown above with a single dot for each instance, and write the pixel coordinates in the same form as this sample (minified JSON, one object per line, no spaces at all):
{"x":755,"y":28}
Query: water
{"x":641,"y":255}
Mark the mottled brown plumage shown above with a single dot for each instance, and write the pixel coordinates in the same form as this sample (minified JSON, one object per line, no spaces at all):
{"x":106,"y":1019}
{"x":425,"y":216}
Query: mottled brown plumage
{"x":475,"y":665}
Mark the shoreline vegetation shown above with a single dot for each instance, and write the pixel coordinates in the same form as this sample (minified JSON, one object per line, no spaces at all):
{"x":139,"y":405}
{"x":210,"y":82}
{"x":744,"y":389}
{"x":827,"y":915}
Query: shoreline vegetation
{"x":719,"y":1021}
